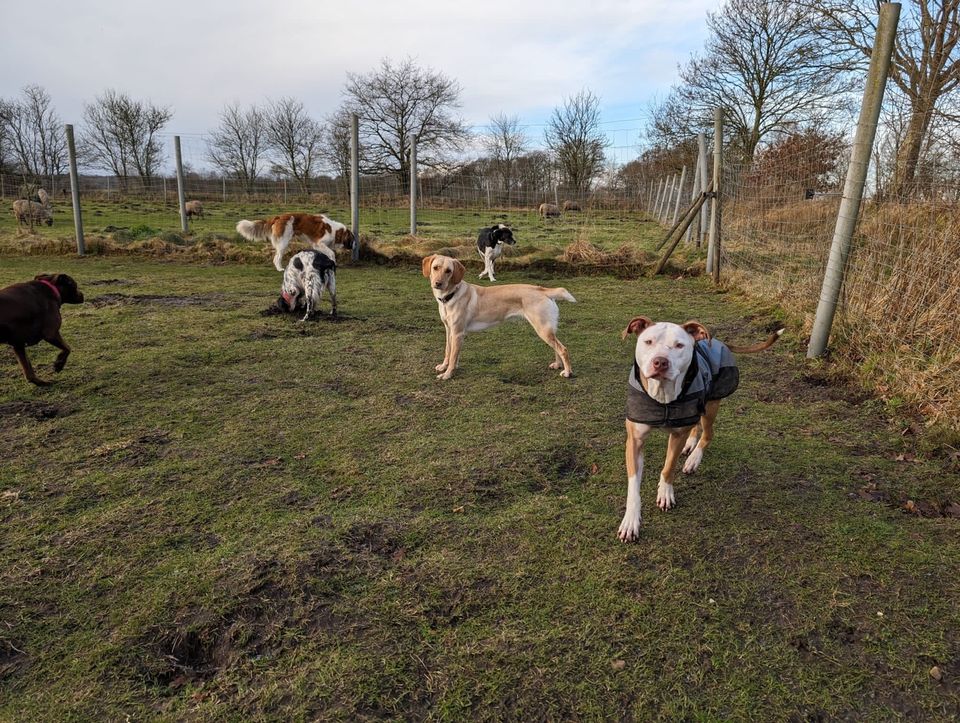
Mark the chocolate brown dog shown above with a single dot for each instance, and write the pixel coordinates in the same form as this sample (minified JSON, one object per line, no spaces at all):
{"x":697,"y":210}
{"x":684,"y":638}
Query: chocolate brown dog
{"x":30,"y":313}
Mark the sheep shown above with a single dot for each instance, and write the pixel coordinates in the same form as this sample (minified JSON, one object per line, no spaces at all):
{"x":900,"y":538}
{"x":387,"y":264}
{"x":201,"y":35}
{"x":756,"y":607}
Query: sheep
{"x":571,"y":206}
{"x":31,"y":211}
{"x":548,"y":210}
{"x":194,"y":208}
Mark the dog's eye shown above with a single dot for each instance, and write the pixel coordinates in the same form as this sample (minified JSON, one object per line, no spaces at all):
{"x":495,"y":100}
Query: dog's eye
{"x":679,"y":345}
{"x":447,"y":271}
{"x":648,"y":342}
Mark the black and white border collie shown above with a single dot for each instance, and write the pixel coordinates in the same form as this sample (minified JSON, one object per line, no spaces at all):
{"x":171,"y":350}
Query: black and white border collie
{"x":490,"y":245}
{"x":307,"y":274}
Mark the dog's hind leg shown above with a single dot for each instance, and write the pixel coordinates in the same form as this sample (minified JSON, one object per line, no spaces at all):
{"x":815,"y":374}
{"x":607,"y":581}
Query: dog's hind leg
{"x":332,"y":287}
{"x":61,"y":360}
{"x":27,"y":368}
{"x":547,"y":332}
{"x":707,"y":422}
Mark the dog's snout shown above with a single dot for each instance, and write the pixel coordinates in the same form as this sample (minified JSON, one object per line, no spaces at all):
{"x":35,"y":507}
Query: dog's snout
{"x":660,"y":363}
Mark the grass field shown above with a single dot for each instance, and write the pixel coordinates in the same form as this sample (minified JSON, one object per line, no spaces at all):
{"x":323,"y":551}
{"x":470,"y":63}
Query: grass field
{"x":215,"y":514}
{"x":137,"y":219}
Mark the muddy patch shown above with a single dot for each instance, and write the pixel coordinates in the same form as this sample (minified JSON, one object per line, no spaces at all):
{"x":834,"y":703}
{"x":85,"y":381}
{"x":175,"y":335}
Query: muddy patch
{"x":12,"y":658}
{"x":108,"y":282}
{"x":560,"y":468}
{"x":32,"y":410}
{"x":381,"y":539}
{"x":133,"y":451}
{"x":156,"y":300}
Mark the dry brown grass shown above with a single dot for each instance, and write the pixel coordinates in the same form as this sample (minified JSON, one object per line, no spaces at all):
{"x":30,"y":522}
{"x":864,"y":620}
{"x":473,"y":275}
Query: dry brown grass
{"x":896,"y":327}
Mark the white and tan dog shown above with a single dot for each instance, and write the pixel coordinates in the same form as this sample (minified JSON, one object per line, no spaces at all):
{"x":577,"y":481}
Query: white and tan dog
{"x":677,"y":381}
{"x":318,"y":230}
{"x":466,"y":307}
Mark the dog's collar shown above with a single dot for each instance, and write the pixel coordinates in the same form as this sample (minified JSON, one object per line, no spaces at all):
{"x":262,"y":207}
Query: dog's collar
{"x":445,"y":299}
{"x":54,"y":289}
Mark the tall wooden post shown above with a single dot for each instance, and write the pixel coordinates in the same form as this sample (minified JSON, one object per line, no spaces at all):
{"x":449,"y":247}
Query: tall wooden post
{"x":355,"y":184}
{"x":713,"y":250}
{"x":181,"y":196}
{"x":413,"y":186}
{"x":75,"y":191}
{"x":856,"y":177}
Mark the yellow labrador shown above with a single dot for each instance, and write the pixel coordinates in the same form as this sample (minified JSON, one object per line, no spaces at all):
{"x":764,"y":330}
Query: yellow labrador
{"x":465,"y":307}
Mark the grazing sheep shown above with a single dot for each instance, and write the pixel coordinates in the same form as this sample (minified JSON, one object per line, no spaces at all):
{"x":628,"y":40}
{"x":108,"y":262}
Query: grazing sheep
{"x":194,"y":208}
{"x":571,"y":206}
{"x":32,"y":212}
{"x":548,"y":210}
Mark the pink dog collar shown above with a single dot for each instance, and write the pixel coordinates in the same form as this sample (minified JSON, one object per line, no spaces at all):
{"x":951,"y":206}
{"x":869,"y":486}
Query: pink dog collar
{"x":54,"y":289}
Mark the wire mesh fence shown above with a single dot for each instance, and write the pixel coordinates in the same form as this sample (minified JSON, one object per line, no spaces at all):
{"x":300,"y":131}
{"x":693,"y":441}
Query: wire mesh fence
{"x":453,"y":203}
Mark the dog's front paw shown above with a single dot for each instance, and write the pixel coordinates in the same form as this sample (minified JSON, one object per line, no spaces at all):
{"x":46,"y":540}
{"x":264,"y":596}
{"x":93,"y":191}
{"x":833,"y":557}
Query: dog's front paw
{"x":665,"y":498}
{"x":441,"y":367}
{"x":693,"y":461}
{"x":630,"y":527}
{"x":689,"y":446}
{"x":40,"y":382}
{"x":446,"y":375}
{"x":566,"y":373}
{"x":59,"y":365}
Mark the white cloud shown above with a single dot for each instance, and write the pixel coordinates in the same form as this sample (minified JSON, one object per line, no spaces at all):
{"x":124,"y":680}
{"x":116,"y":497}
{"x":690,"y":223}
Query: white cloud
{"x":520,"y":56}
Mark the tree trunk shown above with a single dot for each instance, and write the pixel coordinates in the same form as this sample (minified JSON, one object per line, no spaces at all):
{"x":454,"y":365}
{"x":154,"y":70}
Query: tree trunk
{"x":903,"y":184}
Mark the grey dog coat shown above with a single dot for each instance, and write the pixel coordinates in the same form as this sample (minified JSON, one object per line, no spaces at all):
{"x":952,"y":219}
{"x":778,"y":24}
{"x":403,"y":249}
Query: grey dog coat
{"x":712,"y":374}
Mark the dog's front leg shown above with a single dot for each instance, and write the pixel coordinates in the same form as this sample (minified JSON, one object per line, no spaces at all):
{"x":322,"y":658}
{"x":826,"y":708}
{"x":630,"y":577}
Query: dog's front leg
{"x":665,"y":498}
{"x":488,"y":262}
{"x":453,"y":355}
{"x":61,"y":361}
{"x":442,"y":366}
{"x":630,"y":525}
{"x":707,"y":422}
{"x":278,"y":259}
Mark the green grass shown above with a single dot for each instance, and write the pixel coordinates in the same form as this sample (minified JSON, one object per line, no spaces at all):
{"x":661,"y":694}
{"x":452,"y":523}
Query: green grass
{"x":215,"y":514}
{"x":136,"y":219}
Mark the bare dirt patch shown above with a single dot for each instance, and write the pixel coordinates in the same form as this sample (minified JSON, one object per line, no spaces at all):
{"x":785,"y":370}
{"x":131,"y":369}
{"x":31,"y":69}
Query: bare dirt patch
{"x":156,"y":299}
{"x":32,"y":410}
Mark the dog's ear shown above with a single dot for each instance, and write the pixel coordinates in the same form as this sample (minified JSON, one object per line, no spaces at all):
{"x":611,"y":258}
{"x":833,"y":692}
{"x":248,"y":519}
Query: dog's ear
{"x":636,"y":326}
{"x":697,"y":330}
{"x":458,"y":271}
{"x":425,"y":265}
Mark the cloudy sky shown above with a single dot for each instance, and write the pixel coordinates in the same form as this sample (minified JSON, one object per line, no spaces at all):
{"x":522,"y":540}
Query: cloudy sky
{"x":518,"y":56}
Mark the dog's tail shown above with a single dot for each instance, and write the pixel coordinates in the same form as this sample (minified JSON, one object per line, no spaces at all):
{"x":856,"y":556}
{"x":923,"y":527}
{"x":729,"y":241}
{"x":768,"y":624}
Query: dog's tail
{"x":254,"y":230}
{"x":559,"y":293}
{"x":757,"y":347}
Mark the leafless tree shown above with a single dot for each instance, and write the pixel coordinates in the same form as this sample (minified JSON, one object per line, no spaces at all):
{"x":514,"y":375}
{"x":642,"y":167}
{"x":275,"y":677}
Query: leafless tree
{"x":237,"y":147}
{"x":6,"y":113}
{"x":573,"y":135}
{"x":925,"y":67}
{"x":504,"y":142}
{"x":398,"y":102}
{"x":296,"y":140}
{"x":35,"y":136}
{"x":766,"y":66}
{"x":336,"y":145}
{"x":121,"y":135}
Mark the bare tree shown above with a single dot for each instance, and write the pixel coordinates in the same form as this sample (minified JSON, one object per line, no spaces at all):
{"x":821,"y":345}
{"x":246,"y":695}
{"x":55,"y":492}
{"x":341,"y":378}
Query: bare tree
{"x":573,"y":134}
{"x":121,"y":135}
{"x":34,"y":134}
{"x":396,"y":103}
{"x":766,"y":66}
{"x":296,"y":140}
{"x":6,"y":113}
{"x":925,"y":67}
{"x":237,"y":147}
{"x":504,"y":143}
{"x":336,"y":145}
